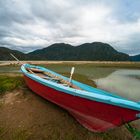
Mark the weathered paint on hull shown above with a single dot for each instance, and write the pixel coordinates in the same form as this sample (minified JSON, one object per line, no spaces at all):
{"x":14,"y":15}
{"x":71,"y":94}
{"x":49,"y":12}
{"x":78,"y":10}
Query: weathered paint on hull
{"x":93,"y":115}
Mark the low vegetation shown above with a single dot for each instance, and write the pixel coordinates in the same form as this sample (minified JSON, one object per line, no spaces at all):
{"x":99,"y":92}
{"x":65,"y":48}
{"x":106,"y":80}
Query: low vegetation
{"x":8,"y":83}
{"x":2,"y":131}
{"x":135,"y":132}
{"x":88,"y":64}
{"x":20,"y":134}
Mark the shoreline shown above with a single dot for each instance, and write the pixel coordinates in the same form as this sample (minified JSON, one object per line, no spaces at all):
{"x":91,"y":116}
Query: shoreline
{"x":120,"y":64}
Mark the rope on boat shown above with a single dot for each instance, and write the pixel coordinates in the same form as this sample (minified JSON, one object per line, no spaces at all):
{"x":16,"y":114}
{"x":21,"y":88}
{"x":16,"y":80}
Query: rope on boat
{"x":52,"y":77}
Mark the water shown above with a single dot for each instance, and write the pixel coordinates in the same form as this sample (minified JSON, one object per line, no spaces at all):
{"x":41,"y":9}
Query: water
{"x":90,"y":71}
{"x":123,"y":82}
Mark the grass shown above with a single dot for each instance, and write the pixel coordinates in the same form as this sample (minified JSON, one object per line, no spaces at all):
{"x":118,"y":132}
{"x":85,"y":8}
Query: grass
{"x":20,"y":134}
{"x":2,"y":130}
{"x":135,"y":132}
{"x":8,"y":83}
{"x":130,"y":65}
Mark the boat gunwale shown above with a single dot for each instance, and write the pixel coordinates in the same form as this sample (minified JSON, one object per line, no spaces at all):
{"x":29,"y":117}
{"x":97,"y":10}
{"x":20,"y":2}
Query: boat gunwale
{"x":108,"y":99}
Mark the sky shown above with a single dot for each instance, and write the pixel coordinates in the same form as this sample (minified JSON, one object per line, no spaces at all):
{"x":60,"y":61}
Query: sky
{"x":27,"y":25}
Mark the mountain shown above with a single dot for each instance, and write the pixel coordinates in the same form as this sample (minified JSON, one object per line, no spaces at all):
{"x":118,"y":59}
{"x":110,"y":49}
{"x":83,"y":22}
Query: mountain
{"x":5,"y":54}
{"x":96,"y":51}
{"x":88,"y":51}
{"x":135,"y":58}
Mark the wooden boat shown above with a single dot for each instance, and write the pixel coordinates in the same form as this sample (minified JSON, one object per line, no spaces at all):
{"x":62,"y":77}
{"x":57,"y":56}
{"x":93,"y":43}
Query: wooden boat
{"x":95,"y":109}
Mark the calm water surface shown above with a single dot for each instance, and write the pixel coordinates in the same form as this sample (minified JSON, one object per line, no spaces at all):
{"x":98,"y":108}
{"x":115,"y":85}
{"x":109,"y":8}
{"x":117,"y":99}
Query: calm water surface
{"x":124,"y":82}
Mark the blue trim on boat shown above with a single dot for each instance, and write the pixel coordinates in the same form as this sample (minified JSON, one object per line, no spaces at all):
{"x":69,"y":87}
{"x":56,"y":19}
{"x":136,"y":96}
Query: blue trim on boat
{"x":88,"y":92}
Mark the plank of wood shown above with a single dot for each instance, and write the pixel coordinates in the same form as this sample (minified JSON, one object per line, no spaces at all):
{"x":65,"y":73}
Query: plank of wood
{"x":51,"y":76}
{"x":34,"y":69}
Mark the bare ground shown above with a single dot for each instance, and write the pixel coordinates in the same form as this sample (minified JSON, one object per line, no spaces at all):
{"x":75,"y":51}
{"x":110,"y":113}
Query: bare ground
{"x":26,"y":116}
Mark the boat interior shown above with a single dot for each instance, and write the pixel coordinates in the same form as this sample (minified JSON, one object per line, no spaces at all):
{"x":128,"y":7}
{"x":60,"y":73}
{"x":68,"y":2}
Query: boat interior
{"x":51,"y":77}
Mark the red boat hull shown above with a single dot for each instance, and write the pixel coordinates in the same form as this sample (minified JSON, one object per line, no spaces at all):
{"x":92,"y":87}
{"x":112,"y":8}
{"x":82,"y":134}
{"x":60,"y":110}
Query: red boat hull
{"x":95,"y":116}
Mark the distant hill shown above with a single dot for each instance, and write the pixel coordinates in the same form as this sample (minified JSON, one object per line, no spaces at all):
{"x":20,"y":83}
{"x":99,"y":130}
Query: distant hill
{"x":135,"y":58}
{"x":95,"y":51}
{"x":88,"y":51}
{"x":5,"y":54}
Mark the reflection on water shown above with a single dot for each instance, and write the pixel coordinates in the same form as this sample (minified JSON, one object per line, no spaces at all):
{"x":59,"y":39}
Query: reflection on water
{"x":87,"y":70}
{"x":125,"y":83}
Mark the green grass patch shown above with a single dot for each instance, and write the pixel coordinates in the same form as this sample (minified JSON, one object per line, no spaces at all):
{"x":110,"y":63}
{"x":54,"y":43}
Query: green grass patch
{"x":130,"y":65}
{"x":20,"y":135}
{"x":3,"y":131}
{"x":135,"y":132}
{"x":9,"y":83}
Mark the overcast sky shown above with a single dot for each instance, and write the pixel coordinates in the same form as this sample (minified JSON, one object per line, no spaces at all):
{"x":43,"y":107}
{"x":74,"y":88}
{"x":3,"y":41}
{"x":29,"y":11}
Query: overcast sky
{"x":27,"y":25}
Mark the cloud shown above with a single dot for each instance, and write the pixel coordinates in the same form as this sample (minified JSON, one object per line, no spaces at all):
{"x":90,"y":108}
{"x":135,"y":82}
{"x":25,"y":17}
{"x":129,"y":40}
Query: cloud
{"x":27,"y":25}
